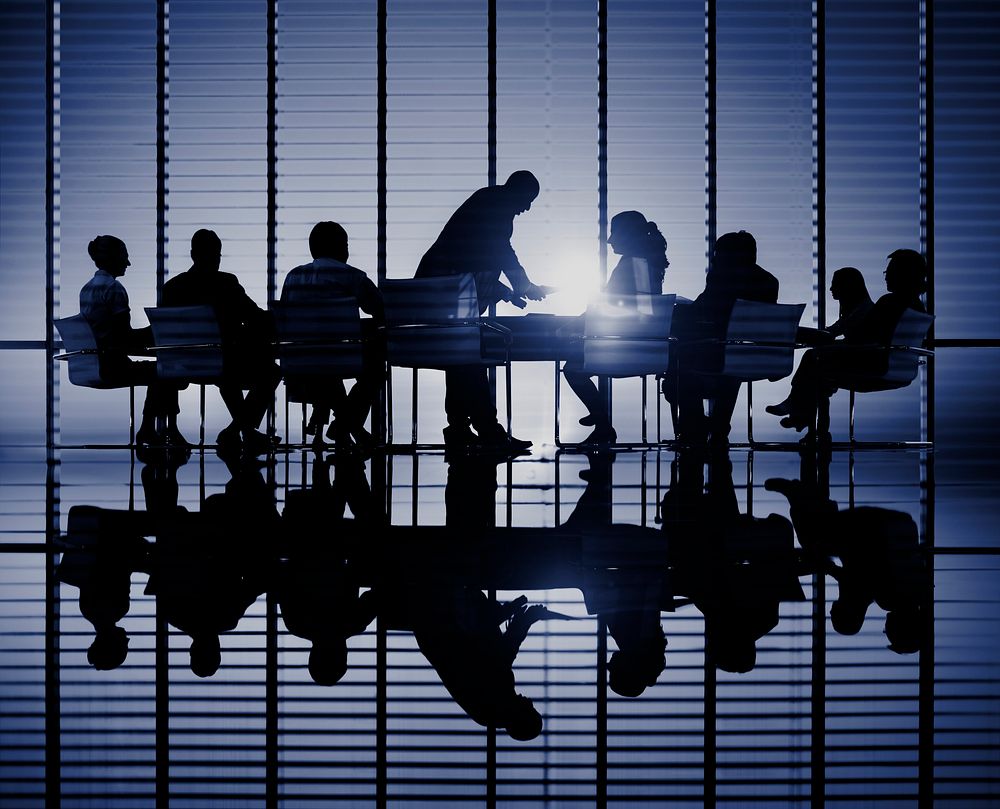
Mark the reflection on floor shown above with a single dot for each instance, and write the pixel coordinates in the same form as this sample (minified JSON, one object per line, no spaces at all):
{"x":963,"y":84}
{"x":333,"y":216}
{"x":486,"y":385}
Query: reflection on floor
{"x":644,"y":626}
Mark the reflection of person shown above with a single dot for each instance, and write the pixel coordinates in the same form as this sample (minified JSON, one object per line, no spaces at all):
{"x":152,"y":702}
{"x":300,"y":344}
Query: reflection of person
{"x":457,"y":630}
{"x":104,"y":304}
{"x":245,"y":330}
{"x":103,"y":548}
{"x":735,"y":568}
{"x":476,"y":239}
{"x":812,"y":385}
{"x":734,"y":275}
{"x":880,"y":560}
{"x":640,"y":271}
{"x":329,"y":275}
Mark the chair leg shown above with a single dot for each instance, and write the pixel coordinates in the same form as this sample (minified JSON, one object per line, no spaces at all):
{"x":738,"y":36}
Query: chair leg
{"x":645,"y":390}
{"x":556,"y":396}
{"x":286,"y":414}
{"x":413,"y":408}
{"x":303,"y":424}
{"x":131,"y":415}
{"x":510,"y":409}
{"x":201,"y":413}
{"x":750,"y":412}
{"x":851,"y":419}
{"x":659,"y":431}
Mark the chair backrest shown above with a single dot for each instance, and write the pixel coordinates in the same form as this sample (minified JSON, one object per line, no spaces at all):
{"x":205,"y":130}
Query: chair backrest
{"x":910,"y":332}
{"x":761,"y":340}
{"x":188,"y":343}
{"x":319,"y":338}
{"x":628,"y":337}
{"x":432,"y":322}
{"x":83,"y":362}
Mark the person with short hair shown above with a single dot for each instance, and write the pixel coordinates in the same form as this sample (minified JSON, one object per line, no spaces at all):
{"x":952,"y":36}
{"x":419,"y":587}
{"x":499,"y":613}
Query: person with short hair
{"x":105,"y":306}
{"x":476,"y":239}
{"x":329,"y":275}
{"x":245,"y":330}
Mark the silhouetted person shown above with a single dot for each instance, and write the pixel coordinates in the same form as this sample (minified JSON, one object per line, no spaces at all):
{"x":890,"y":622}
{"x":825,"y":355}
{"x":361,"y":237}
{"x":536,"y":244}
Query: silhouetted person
{"x":245,"y":330}
{"x":735,"y":568}
{"x":476,"y":239}
{"x":457,"y":630}
{"x":329,"y":275}
{"x":734,"y":274}
{"x":640,"y":271}
{"x":104,"y":304}
{"x":215,"y":564}
{"x":848,"y":288}
{"x":879,"y":553}
{"x":103,"y":548}
{"x":814,"y":382}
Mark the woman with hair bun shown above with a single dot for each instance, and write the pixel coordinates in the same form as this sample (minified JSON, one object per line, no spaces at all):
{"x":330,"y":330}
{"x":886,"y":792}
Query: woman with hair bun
{"x":640,"y":271}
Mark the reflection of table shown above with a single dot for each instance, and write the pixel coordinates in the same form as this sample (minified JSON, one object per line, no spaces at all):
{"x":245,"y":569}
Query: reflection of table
{"x":535,"y":338}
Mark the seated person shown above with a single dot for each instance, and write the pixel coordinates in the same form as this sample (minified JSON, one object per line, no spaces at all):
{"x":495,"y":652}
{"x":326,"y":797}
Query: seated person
{"x":245,"y":330}
{"x":848,"y":287}
{"x":329,"y":275}
{"x":104,"y":305}
{"x":906,"y":280}
{"x":734,"y":274}
{"x":643,"y":263}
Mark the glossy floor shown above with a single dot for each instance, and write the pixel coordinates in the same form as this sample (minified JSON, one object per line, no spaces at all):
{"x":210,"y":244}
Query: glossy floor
{"x":831,"y":639}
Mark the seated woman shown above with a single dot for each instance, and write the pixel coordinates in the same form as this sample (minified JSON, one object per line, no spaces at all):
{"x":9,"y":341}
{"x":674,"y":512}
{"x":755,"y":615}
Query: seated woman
{"x":848,"y":287}
{"x":643,"y":264}
{"x":104,"y":304}
{"x":905,"y":281}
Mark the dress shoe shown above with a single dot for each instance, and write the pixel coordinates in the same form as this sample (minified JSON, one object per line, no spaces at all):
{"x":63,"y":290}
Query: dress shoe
{"x":779,"y":409}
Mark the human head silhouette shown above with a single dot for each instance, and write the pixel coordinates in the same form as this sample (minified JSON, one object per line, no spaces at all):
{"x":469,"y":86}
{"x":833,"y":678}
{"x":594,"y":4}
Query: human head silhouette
{"x":848,"y":287}
{"x":904,"y":629}
{"x":328,"y":240}
{"x":109,"y":254}
{"x":906,"y":273}
{"x":328,"y":661}
{"x":735,"y":252}
{"x":206,"y":655}
{"x":522,"y":187}
{"x":847,"y":614}
{"x":522,"y":721}
{"x":630,"y":672}
{"x":627,"y":234}
{"x":206,"y":250}
{"x":109,"y":649}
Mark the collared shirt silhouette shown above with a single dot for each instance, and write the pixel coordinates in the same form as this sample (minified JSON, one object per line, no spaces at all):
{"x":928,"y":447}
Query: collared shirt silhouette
{"x":245,"y":330}
{"x":104,"y":304}
{"x":476,"y":239}
{"x":329,"y":275}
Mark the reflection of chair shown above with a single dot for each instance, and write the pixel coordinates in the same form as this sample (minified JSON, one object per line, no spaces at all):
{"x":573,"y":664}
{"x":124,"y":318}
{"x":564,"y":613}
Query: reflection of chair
{"x":188,"y":348}
{"x":83,"y":362}
{"x":878,"y":368}
{"x":435,"y":323}
{"x":759,"y":344}
{"x":626,"y":339}
{"x":317,"y":341}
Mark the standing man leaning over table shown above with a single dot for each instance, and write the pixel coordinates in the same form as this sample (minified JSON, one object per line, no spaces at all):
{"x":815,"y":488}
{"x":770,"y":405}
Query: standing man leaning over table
{"x":476,"y":239}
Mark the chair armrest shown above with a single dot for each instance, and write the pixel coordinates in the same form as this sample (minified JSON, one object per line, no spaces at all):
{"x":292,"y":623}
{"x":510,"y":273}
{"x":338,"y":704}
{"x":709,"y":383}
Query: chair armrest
{"x":508,"y":337}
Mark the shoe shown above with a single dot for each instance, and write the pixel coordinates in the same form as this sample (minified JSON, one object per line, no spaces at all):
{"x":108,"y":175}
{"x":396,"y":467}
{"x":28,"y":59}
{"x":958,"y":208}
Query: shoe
{"x":457,"y":437}
{"x":148,"y":438}
{"x":229,"y":437}
{"x":602,"y":435}
{"x":175,"y":439}
{"x":792,"y":424}
{"x":496,"y":437}
{"x":256,"y":443}
{"x":588,"y":421}
{"x":364,"y":440}
{"x":779,"y":409}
